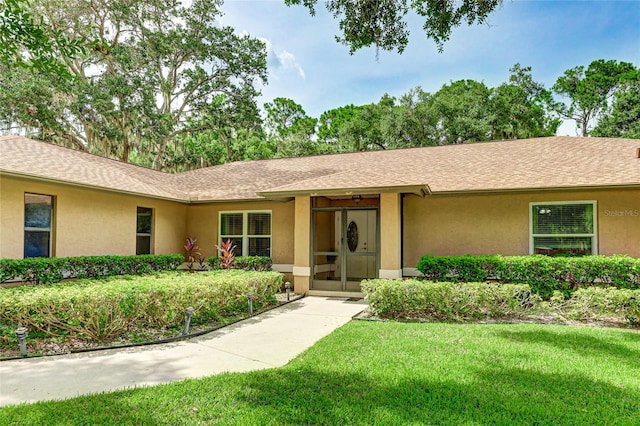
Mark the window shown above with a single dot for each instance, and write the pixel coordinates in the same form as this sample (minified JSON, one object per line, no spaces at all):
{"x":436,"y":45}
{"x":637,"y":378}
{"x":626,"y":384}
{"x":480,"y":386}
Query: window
{"x":567,"y":228}
{"x":250,"y":232}
{"x":143,"y":230}
{"x":38,"y":219}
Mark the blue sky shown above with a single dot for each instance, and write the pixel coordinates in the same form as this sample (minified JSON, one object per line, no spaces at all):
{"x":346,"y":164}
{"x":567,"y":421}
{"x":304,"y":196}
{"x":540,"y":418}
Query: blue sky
{"x":308,"y":66}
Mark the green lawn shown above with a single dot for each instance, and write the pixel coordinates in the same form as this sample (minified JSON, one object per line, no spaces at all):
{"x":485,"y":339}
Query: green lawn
{"x":396,"y":374}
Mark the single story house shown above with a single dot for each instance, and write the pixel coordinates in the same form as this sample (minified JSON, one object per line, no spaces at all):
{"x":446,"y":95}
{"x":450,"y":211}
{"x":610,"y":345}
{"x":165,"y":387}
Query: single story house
{"x":330,"y":221}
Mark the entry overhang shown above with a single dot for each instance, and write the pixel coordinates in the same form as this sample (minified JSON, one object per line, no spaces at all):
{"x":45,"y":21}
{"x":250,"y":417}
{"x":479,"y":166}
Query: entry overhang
{"x":348,"y":183}
{"x":420,"y":190}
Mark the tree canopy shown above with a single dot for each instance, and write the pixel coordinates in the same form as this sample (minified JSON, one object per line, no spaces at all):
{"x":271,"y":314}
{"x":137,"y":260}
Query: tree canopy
{"x":27,"y":43}
{"x":590,"y":89}
{"x":383,"y":23}
{"x":155,"y":71}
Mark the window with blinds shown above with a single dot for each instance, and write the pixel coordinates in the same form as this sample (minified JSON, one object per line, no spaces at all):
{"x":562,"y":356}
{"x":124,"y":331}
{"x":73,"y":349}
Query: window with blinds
{"x":563,"y":229}
{"x":38,"y":225}
{"x":250,"y":232}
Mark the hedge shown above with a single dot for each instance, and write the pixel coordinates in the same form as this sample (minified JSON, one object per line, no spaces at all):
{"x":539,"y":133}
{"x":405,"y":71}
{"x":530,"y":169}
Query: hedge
{"x":411,"y":299}
{"x":247,"y":263}
{"x":105,"y":310}
{"x":543,"y":274}
{"x":40,"y":270}
{"x":423,"y":300}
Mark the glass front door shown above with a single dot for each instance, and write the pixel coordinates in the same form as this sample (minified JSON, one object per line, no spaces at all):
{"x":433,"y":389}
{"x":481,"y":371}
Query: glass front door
{"x":345,"y":248}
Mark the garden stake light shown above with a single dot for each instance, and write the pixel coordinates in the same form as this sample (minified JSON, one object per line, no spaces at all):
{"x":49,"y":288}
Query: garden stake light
{"x":187,"y":320}
{"x":21,"y":334}
{"x":250,"y":298}
{"x":287,"y":286}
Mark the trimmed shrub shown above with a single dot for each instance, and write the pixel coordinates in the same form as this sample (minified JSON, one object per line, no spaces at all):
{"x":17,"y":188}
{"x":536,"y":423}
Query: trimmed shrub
{"x":543,"y":273}
{"x":247,"y":263}
{"x":415,"y":299}
{"x":595,"y":303}
{"x":105,"y":310}
{"x":412,"y":299}
{"x":39,"y":270}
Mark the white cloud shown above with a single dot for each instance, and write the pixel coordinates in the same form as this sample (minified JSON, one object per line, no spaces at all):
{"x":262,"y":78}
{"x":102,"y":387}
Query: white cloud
{"x":288,"y":61}
{"x":280,"y":60}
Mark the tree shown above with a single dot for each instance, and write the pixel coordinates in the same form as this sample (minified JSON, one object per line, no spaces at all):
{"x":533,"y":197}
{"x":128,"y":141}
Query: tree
{"x":521,"y":107}
{"x":289,"y":129}
{"x":462,"y":112}
{"x":26,"y":43}
{"x":382,"y":23}
{"x":153,"y":70}
{"x":412,"y":121}
{"x":589,"y":90}
{"x":364,"y":131}
{"x":622,"y":119}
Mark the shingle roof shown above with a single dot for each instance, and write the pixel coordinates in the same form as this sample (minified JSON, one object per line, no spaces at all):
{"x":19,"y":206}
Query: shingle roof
{"x":539,"y":163}
{"x":30,"y":158}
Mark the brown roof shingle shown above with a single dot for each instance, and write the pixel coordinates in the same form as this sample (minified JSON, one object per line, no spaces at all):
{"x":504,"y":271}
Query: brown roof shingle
{"x":539,"y":163}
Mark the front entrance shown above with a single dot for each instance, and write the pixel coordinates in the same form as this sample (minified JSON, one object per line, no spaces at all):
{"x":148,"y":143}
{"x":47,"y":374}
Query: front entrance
{"x":345,"y":248}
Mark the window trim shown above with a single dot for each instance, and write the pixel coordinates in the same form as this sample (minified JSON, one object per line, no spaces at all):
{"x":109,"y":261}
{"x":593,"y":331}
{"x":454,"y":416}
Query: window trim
{"x":151,"y":224}
{"x":49,"y":230}
{"x":245,"y":226}
{"x":594,"y":235}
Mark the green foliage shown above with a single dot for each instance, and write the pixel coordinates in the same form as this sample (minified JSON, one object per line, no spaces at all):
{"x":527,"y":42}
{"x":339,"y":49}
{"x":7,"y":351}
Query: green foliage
{"x":39,"y":270}
{"x":156,"y":72}
{"x":104,"y":310}
{"x":289,"y":128}
{"x":382,"y":23}
{"x":247,"y":263}
{"x":411,"y":299}
{"x":447,"y":301}
{"x":622,"y":118}
{"x":595,"y":303}
{"x":25,"y":43}
{"x":544,"y":274}
{"x":589,"y":90}
{"x":390,"y":373}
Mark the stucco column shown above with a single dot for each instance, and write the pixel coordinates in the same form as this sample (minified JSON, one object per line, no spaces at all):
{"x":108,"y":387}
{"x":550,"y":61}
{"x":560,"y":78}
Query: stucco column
{"x":301,"y":256}
{"x":390,"y":236}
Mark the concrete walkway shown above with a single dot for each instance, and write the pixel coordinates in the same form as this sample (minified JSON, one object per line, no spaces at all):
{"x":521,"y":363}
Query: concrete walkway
{"x":268,"y":340}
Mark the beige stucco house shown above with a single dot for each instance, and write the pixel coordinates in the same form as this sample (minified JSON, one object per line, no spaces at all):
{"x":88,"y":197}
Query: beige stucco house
{"x":330,"y":221}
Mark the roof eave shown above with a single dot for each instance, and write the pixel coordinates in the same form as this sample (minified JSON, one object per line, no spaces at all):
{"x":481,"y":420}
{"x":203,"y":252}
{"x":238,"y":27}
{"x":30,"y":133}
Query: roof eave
{"x":538,"y":189}
{"x":94,"y":187}
{"x":420,"y":190}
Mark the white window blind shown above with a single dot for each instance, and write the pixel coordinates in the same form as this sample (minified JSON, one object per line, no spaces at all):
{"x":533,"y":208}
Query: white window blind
{"x":563,"y":228}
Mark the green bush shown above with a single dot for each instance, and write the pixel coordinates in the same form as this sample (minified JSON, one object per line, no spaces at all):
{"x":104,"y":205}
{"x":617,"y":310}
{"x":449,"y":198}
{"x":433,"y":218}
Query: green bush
{"x":247,"y":263}
{"x":413,"y":299}
{"x":595,"y":303}
{"x":105,"y":310}
{"x":39,"y":270}
{"x":543,"y":273}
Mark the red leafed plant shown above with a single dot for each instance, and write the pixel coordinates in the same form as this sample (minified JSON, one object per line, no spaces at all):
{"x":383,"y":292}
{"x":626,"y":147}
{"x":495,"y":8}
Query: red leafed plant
{"x":226,"y":253}
{"x":192,"y":249}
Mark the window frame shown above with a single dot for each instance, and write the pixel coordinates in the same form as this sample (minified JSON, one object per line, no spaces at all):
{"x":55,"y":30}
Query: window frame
{"x":593,"y":236}
{"x":149,"y":234}
{"x":245,"y":227}
{"x":49,"y":230}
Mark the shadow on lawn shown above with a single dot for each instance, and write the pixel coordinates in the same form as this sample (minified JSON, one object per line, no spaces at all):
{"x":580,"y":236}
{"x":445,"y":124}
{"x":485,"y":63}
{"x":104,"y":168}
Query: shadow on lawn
{"x":581,"y":343}
{"x":296,"y":396}
{"x":492,"y":396}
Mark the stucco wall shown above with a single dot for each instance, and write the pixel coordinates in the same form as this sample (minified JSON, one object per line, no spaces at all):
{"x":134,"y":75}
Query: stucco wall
{"x":87,"y":221}
{"x":202,"y":223}
{"x":499,"y":223}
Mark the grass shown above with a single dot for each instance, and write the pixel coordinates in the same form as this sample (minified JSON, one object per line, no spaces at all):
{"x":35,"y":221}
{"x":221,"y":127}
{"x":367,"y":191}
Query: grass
{"x":388,"y":373}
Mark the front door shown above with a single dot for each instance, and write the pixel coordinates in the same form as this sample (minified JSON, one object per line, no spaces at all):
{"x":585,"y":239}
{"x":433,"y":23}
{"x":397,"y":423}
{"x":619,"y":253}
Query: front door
{"x":345,"y":248}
